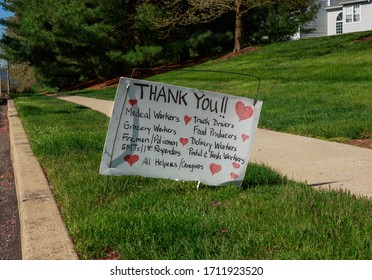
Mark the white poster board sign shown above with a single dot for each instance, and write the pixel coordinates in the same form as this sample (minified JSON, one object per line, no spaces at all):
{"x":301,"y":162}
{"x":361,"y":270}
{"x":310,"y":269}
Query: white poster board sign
{"x":166,"y":131}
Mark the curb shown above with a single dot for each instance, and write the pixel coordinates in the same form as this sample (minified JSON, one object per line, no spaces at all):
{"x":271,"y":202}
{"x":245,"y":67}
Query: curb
{"x":43,"y":233}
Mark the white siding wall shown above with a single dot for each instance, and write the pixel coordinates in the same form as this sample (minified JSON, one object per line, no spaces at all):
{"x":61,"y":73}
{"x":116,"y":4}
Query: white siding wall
{"x":325,"y":23}
{"x":365,"y":22}
{"x":319,"y":24}
{"x":332,"y":15}
{"x":370,"y":16}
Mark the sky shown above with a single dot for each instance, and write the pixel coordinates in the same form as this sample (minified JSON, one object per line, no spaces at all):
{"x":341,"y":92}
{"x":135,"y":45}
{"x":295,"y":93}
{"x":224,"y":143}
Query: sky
{"x":3,"y":14}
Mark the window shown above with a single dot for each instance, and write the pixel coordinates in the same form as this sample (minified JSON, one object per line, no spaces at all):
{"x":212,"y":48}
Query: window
{"x":356,"y":15}
{"x":339,"y":27}
{"x":352,"y":13}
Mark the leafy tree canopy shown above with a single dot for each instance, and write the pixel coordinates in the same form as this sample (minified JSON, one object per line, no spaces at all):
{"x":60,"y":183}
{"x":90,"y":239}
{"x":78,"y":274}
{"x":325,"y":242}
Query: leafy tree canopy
{"x":69,"y":41}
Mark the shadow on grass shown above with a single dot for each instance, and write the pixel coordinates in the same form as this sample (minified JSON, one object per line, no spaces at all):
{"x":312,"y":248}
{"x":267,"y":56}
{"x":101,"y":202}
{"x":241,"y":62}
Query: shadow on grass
{"x":37,"y":111}
{"x":30,"y":110}
{"x":80,"y":107}
{"x":258,"y":175}
{"x":22,"y":94}
{"x":262,"y":175}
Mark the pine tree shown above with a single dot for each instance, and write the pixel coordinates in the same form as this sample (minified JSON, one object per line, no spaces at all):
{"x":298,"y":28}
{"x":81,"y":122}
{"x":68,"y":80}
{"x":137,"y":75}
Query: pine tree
{"x":65,"y":41}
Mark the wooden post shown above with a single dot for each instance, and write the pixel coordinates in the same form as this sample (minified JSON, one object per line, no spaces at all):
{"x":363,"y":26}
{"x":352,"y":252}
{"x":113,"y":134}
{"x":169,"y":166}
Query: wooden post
{"x":8,"y":78}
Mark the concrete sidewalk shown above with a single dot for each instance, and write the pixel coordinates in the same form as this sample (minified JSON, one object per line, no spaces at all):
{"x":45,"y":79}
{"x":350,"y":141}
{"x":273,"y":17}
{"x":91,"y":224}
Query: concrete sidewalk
{"x":316,"y":162}
{"x":103,"y":106}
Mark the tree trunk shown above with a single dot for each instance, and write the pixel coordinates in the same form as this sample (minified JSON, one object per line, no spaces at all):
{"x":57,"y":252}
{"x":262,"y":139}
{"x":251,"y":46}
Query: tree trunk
{"x":239,"y":26}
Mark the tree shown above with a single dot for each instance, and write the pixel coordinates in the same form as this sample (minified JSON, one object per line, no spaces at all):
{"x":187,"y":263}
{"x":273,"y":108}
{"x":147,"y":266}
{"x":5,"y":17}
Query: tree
{"x":23,"y":76}
{"x":281,"y":21}
{"x":188,"y":12}
{"x":181,"y":12}
{"x":65,"y":41}
{"x":70,"y":41}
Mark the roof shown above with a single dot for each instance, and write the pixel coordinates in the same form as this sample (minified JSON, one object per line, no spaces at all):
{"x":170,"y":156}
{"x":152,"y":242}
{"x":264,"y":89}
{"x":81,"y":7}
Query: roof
{"x":337,"y":3}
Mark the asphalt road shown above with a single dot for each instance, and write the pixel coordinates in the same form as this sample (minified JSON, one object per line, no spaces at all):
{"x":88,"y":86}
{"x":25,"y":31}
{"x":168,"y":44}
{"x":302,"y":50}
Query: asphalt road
{"x":10,"y":242}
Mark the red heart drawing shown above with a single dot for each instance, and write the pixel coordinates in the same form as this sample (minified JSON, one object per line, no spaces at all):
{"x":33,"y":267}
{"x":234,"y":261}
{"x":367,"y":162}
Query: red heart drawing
{"x":243,"y":112}
{"x":233,"y":175}
{"x":184,"y":141}
{"x":245,"y":137}
{"x":132,"y":102}
{"x":215,"y":168}
{"x":236,"y":165}
{"x":131,"y":159}
{"x":187,"y":119}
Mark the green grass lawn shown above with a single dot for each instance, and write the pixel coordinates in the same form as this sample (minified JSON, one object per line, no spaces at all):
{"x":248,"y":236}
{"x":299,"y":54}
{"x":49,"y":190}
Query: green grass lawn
{"x":131,"y":217}
{"x":318,"y":87}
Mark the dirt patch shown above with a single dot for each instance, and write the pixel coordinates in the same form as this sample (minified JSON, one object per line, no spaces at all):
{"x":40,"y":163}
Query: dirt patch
{"x":160,"y":69}
{"x":80,"y":86}
{"x":366,"y":38}
{"x":364,"y":143}
{"x":241,"y":52}
{"x":105,"y":84}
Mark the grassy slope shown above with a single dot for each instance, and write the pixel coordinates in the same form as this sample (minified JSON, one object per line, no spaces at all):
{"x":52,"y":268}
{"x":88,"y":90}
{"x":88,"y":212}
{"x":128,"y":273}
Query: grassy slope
{"x":317,"y":87}
{"x":320,"y":87}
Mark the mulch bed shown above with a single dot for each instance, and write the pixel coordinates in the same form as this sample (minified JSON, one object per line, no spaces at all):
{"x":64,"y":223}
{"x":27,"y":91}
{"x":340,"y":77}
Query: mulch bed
{"x":366,"y":38}
{"x":364,"y":143}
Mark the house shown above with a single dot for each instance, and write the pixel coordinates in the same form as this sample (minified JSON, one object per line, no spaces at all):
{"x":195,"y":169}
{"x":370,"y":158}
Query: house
{"x":340,"y":16}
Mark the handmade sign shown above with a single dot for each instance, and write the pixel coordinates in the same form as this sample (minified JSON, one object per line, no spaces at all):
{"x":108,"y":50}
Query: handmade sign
{"x":166,"y":131}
